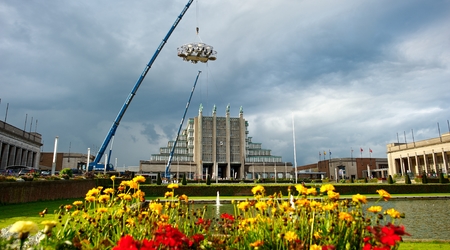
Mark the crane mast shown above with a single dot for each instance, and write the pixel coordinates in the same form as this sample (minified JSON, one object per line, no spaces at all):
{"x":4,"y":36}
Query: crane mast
{"x":112,"y":131}
{"x":167,"y":172}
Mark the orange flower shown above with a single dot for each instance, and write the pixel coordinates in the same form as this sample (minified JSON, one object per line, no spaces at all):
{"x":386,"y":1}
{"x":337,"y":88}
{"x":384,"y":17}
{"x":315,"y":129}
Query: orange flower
{"x":333,"y":195}
{"x":383,"y":194}
{"x":257,"y":244}
{"x":359,"y":198}
{"x":301,"y":189}
{"x":345,"y":216}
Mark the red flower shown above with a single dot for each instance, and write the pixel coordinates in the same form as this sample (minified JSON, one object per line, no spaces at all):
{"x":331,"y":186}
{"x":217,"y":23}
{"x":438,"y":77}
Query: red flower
{"x":126,"y":243}
{"x":389,"y":237}
{"x":227,"y":216}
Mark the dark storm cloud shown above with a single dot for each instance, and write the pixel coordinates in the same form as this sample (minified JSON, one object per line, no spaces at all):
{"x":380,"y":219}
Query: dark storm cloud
{"x":352,"y":74}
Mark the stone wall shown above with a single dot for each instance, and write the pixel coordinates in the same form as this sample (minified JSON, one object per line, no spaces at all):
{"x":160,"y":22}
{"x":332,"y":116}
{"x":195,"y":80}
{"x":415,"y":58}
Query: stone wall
{"x":29,"y":191}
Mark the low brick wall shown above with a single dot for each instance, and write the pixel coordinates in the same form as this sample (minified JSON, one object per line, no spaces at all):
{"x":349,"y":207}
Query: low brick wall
{"x":29,"y":191}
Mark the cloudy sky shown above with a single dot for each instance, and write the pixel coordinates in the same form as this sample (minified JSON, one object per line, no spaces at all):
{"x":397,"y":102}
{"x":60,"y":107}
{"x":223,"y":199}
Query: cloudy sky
{"x":351,"y":74}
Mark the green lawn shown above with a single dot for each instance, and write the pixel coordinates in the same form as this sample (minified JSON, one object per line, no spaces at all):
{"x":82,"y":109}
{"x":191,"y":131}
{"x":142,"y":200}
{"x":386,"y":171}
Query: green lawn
{"x":424,"y":245}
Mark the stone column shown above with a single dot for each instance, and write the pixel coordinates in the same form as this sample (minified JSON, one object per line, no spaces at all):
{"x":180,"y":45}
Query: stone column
{"x":417,"y":163}
{"x":434,"y":161}
{"x":425,"y":162}
{"x":444,"y":159}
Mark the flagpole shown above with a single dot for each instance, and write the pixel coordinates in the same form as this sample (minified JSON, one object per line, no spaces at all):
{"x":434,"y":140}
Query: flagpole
{"x":295,"y":153}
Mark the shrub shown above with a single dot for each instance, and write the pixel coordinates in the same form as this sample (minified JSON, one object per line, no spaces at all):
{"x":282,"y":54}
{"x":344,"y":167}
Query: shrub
{"x":208,"y":180}
{"x":158,"y":179}
{"x":184,"y":181}
{"x":424,"y":178}
{"x":66,"y":171}
{"x":390,"y":180}
{"x":442,"y":179}
{"x":407,"y":179}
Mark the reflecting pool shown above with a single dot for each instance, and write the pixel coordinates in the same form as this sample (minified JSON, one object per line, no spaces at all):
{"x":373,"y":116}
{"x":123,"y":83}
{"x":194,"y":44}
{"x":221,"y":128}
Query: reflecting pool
{"x":425,"y":218}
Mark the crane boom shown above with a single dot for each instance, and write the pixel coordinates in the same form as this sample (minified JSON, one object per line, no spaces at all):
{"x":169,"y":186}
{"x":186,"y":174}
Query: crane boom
{"x":112,"y":131}
{"x":167,"y":173}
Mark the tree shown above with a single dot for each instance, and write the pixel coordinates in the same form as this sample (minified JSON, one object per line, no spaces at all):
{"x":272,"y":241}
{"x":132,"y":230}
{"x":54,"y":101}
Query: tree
{"x":424,"y":178}
{"x":208,"y":180}
{"x":390,"y":180}
{"x":184,"y":181}
{"x":407,"y":179}
{"x":158,"y":179}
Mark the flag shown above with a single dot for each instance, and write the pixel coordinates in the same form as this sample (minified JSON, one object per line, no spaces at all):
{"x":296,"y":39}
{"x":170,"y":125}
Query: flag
{"x":329,"y":152}
{"x":324,"y":153}
{"x":362,"y":150}
{"x":370,"y":150}
{"x":320,"y":154}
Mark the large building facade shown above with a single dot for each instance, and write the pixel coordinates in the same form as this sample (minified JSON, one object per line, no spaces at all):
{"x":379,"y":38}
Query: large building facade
{"x":346,"y":168}
{"x":218,"y":147}
{"x":19,"y":147}
{"x":430,"y":156}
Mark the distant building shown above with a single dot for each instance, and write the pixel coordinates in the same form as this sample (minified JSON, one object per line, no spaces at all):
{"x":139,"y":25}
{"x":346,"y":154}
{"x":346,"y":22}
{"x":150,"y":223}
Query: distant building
{"x":64,"y":160}
{"x":345,"y":168}
{"x":218,"y":147}
{"x":18,"y":147}
{"x":429,"y":156}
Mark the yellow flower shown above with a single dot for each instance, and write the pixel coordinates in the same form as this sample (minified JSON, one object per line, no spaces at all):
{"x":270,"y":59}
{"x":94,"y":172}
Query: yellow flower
{"x":258,"y":190}
{"x":77,"y":203}
{"x":393,"y":213}
{"x":99,"y":188}
{"x":103,"y":198}
{"x":311,"y":191}
{"x":172,"y":186}
{"x":359,"y":198}
{"x":48,"y":225}
{"x":108,"y":191}
{"x":315,"y":247}
{"x":113,"y":178}
{"x":24,"y":227}
{"x":139,"y":195}
{"x":90,"y":198}
{"x":139,"y":179}
{"x":75,"y":213}
{"x":93,"y":192}
{"x":345,"y":216}
{"x":133,"y":185}
{"x":244,"y":205}
{"x":102,"y":210}
{"x":261,"y":205}
{"x":333,"y":195}
{"x":326,"y":188}
{"x":330,"y":206}
{"x":290,"y":236}
{"x":156,"y":207}
{"x":168,"y":194}
{"x":127,"y":197}
{"x":383,"y":194}
{"x":301,"y":189}
{"x":375,"y":209}
{"x":315,"y":204}
{"x":302,"y":202}
{"x":130,"y":222}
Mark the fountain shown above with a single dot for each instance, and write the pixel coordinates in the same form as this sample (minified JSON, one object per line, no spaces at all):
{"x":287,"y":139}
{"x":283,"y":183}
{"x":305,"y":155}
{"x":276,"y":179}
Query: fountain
{"x":218,"y":199}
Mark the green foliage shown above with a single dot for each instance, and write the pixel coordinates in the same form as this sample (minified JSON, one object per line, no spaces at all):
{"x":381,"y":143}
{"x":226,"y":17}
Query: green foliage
{"x":365,"y":180}
{"x":407,"y":179}
{"x":208,"y":180}
{"x":184,"y":181}
{"x":158,"y":179}
{"x":442,"y":179}
{"x":424,"y":178}
{"x":390,"y":180}
{"x":66,"y":171}
{"x":351,"y":180}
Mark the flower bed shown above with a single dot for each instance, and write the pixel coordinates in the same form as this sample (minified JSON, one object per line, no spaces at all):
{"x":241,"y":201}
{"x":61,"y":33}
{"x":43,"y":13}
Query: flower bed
{"x":119,"y":218}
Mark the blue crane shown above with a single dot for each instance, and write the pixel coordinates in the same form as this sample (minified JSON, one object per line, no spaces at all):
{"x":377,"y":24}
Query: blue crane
{"x":96,"y":165}
{"x":167,"y":173}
